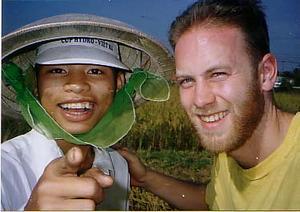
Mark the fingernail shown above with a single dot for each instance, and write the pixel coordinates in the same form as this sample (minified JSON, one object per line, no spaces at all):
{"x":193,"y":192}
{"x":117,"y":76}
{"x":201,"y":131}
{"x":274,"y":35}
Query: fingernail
{"x":106,"y":172}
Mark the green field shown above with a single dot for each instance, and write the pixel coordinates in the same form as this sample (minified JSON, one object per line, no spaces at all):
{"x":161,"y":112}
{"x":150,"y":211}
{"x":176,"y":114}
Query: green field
{"x":186,"y":165}
{"x":288,"y":101}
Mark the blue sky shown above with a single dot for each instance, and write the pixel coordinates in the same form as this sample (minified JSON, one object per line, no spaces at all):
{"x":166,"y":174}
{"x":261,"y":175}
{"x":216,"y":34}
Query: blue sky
{"x":154,"y":17}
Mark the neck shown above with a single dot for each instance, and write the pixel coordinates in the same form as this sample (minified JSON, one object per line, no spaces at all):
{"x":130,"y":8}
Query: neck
{"x":265,"y":139}
{"x":87,"y":152}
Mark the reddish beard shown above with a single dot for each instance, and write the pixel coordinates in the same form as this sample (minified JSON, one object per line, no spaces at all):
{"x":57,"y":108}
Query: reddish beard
{"x":245,"y":120}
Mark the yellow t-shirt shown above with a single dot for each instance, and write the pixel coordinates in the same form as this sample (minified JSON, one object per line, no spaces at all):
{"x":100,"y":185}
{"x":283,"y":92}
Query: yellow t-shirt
{"x":272,"y":184}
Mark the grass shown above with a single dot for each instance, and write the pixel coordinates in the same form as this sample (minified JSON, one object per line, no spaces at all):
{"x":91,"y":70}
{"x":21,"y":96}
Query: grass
{"x":162,"y":126}
{"x":186,"y":165}
{"x":288,"y":101}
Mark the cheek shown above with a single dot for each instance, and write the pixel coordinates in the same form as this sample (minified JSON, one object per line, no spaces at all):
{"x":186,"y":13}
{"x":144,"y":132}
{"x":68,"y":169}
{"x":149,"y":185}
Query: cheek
{"x":104,"y":92}
{"x":47,"y":92}
{"x":46,"y":98}
{"x":239,"y":94}
{"x":186,"y":98}
{"x":233,"y":91}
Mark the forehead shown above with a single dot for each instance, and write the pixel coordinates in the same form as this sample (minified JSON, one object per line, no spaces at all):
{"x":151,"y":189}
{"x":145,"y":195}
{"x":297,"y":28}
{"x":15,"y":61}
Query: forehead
{"x":208,"y":46}
{"x":201,"y":36}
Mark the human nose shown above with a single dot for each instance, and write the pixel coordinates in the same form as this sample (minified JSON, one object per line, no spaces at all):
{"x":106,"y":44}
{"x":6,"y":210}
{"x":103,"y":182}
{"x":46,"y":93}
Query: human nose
{"x":204,"y":94}
{"x":76,"y":84}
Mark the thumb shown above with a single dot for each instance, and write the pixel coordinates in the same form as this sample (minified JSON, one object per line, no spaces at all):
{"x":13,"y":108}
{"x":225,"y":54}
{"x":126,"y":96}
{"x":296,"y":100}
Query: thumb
{"x":129,"y":156}
{"x":69,"y":164}
{"x":134,"y":163}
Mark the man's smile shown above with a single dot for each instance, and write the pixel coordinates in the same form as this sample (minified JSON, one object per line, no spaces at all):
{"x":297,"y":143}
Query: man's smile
{"x":79,"y":106}
{"x":213,"y":117}
{"x":211,"y":121}
{"x":77,"y":111}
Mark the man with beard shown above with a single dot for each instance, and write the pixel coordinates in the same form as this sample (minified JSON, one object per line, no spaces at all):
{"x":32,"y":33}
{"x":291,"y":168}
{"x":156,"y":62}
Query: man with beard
{"x":226,"y":73}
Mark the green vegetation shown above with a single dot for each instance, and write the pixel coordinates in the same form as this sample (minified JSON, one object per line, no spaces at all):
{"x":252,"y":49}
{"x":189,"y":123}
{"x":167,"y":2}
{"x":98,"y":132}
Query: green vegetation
{"x":162,"y":126}
{"x":186,"y":165}
{"x":288,"y":101}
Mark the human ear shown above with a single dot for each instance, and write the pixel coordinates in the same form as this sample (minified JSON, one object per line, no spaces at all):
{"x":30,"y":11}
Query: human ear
{"x":268,"y":72}
{"x":120,"y":80}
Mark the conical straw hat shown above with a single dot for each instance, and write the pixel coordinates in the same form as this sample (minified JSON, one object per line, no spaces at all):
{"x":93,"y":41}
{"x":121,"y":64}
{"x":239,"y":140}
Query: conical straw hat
{"x":137,"y":49}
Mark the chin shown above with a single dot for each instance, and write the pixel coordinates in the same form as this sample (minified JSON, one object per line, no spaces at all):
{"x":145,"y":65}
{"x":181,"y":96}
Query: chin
{"x":213,"y":143}
{"x":77,"y":129}
{"x":221,"y":141}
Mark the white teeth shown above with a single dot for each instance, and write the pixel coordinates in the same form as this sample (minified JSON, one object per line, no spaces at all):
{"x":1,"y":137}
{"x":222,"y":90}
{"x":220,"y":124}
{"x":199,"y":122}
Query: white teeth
{"x":216,"y":117}
{"x":213,"y":118}
{"x":81,"y":105}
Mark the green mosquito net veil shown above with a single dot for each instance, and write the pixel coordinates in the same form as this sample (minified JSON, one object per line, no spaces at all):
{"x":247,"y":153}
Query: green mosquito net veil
{"x":150,"y":62}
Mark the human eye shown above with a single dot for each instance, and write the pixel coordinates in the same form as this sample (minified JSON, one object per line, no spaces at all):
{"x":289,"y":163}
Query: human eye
{"x":185,"y":82}
{"x":95,"y":71}
{"x":219,"y":76}
{"x":57,"y":71}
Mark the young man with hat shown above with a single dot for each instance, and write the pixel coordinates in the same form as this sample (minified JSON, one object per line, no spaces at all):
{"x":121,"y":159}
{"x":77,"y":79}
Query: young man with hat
{"x":77,"y":82}
{"x":78,"y":79}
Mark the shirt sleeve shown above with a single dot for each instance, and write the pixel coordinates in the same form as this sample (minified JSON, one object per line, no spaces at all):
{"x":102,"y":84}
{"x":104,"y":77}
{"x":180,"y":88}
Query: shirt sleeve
{"x":15,"y":184}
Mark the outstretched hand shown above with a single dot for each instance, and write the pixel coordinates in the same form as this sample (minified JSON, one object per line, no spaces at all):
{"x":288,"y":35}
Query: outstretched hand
{"x":60,"y":187}
{"x":138,"y":171}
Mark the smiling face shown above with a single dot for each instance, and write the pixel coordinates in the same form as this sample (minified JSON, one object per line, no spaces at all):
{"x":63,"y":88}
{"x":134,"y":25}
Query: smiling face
{"x":77,"y":96}
{"x":219,"y":88}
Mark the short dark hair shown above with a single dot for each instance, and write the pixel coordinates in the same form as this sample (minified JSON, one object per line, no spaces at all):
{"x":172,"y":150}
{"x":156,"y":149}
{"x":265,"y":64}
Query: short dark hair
{"x":247,"y":15}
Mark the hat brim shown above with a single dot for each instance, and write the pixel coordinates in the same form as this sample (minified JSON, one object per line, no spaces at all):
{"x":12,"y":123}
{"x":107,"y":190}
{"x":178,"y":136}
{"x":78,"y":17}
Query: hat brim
{"x":79,"y":55}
